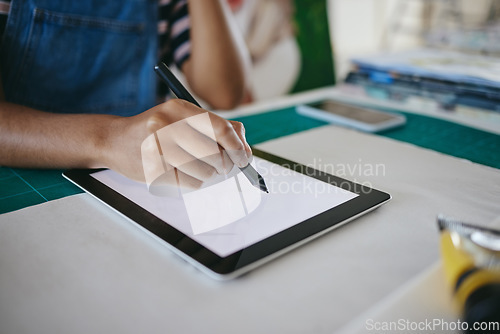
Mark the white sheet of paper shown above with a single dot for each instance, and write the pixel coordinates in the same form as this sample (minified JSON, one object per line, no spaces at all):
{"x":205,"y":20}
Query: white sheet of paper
{"x":228,"y":216}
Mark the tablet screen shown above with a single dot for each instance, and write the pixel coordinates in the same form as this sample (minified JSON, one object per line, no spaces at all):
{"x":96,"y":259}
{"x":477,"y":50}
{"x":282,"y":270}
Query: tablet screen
{"x":232,"y":215}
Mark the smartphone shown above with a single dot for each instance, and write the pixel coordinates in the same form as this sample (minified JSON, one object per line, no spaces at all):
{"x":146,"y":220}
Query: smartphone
{"x":359,"y":118}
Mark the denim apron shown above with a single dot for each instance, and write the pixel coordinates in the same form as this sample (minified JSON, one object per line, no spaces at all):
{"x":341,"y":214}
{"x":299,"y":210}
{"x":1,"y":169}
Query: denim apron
{"x":81,"y":56}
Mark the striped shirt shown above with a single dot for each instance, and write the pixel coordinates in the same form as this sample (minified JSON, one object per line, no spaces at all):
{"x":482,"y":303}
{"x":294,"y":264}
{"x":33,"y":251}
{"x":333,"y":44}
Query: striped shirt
{"x":173,"y":33}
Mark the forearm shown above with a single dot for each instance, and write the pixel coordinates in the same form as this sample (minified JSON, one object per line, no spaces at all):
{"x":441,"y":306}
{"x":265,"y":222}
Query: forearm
{"x":219,"y":62}
{"x":36,"y":139}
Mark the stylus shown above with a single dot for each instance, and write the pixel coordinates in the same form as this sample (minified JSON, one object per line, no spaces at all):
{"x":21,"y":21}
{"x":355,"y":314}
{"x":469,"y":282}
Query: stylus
{"x":182,"y":93}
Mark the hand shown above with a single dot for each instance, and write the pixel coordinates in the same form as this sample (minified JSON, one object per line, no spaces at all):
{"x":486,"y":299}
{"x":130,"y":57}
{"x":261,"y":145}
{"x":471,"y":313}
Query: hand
{"x":194,"y":143}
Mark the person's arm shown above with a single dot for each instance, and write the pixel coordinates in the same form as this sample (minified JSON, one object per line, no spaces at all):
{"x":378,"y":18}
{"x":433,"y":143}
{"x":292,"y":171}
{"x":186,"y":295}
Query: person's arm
{"x":37,"y":139}
{"x":34,"y":139}
{"x":219,"y":62}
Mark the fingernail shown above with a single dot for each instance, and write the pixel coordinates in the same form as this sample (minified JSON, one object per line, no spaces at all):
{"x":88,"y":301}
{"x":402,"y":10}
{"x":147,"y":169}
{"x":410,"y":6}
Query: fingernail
{"x":243,"y":162}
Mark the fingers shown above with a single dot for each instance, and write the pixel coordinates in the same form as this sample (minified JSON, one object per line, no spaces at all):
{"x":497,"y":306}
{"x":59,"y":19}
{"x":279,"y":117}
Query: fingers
{"x":240,"y":131}
{"x":228,"y":134}
{"x":196,"y":142}
{"x":220,"y":161}
{"x":174,"y":171}
{"x":188,"y":181}
{"x":225,"y":134}
{"x":198,"y":169}
{"x":175,"y":155}
{"x":200,"y":146}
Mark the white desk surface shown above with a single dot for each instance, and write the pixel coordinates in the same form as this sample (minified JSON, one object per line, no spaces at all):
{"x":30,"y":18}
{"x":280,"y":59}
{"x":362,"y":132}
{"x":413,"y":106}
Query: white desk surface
{"x":424,"y":302}
{"x":75,"y":266}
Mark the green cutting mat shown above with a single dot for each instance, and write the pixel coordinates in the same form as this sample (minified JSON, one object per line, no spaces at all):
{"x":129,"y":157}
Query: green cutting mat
{"x":20,"y":188}
{"x":436,"y":134}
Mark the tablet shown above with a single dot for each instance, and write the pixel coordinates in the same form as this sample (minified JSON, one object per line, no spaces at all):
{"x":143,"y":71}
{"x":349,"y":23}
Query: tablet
{"x":231,"y":227}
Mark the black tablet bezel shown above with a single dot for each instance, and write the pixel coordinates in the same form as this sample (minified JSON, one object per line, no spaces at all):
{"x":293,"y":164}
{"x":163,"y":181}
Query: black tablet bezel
{"x":234,"y":264}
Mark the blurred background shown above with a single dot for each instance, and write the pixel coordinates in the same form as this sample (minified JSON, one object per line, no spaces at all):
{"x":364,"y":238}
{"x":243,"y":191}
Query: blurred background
{"x":360,"y":27}
{"x":298,"y":45}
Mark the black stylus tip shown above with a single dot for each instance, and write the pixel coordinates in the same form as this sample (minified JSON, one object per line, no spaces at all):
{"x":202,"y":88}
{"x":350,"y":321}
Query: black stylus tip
{"x":262,"y":184}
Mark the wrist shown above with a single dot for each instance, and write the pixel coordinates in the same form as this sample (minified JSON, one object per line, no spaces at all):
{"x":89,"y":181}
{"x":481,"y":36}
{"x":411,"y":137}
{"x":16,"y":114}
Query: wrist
{"x":105,"y":137}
